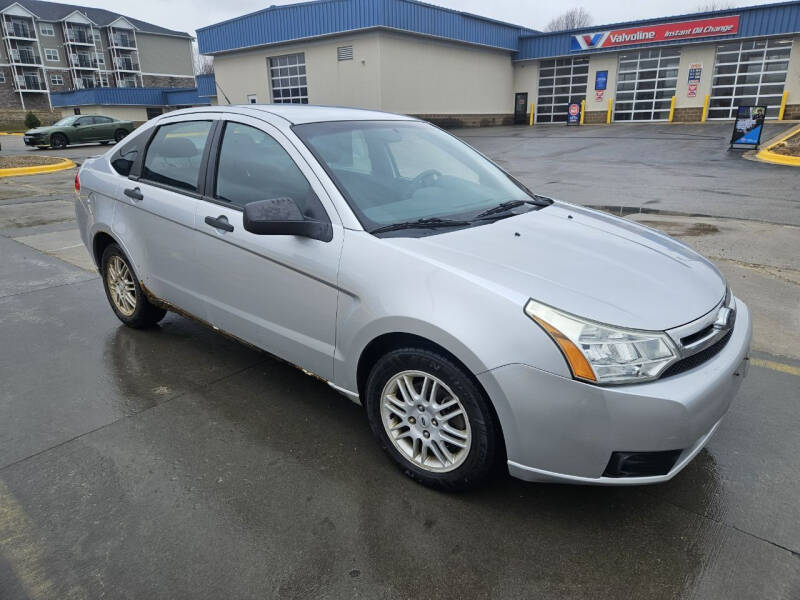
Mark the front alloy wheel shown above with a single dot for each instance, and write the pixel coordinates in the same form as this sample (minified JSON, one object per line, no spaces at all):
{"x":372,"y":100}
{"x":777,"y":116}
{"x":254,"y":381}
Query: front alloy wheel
{"x":432,"y":418}
{"x":426,"y":421}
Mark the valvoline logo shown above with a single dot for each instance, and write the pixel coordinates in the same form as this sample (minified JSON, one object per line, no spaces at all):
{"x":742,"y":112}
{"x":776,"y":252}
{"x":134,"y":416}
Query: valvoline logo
{"x":588,"y":41}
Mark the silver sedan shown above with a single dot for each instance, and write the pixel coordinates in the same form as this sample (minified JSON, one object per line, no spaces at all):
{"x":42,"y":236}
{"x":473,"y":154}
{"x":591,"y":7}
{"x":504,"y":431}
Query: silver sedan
{"x":477,"y":322}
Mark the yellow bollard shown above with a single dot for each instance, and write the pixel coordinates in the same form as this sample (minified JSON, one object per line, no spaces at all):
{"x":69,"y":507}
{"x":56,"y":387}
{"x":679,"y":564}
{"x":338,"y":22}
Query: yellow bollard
{"x":783,"y":105}
{"x":583,"y":110}
{"x":608,"y":114}
{"x":530,"y":121}
{"x":671,"y":109}
{"x":705,"y":110}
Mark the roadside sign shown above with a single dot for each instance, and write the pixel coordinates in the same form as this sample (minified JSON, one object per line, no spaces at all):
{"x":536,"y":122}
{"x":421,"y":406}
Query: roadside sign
{"x":574,"y":114}
{"x":600,"y":80}
{"x":748,"y":126}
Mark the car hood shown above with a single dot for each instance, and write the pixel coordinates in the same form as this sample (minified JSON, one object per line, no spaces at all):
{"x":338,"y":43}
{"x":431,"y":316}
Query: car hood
{"x":581,"y":261}
{"x":38,"y":130}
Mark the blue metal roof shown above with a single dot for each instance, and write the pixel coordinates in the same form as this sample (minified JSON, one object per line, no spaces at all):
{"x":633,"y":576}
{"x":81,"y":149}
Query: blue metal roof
{"x":754,"y":21}
{"x":278,"y":24}
{"x":129,"y":97}
{"x":206,"y":85}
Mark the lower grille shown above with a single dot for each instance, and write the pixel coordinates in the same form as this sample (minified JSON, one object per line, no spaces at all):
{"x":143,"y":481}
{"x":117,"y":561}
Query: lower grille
{"x":641,"y":464}
{"x":695,"y":360}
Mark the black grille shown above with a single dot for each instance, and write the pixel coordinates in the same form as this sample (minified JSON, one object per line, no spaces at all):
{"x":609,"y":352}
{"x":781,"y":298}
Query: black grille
{"x":641,"y":464}
{"x":695,"y":360}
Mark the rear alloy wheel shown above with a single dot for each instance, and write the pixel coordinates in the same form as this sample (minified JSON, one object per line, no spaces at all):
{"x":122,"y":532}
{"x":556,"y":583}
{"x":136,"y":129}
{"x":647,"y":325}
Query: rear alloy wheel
{"x":124,"y":293}
{"x":431,"y":417}
{"x":58,"y":141}
{"x":119,"y":135}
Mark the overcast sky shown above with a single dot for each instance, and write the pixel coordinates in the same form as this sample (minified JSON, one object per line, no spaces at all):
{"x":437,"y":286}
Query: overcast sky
{"x":188,"y":15}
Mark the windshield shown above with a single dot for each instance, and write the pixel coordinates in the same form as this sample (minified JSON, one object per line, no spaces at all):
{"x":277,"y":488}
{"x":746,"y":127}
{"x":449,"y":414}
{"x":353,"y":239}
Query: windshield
{"x":65,"y":121}
{"x":400,"y":171}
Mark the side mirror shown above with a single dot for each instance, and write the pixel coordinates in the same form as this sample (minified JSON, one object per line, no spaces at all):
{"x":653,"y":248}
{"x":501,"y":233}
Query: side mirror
{"x":76,"y":124}
{"x":282,"y":216}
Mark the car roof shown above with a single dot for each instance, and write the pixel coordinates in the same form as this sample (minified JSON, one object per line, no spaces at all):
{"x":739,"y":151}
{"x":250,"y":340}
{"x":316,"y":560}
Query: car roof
{"x":301,"y":113}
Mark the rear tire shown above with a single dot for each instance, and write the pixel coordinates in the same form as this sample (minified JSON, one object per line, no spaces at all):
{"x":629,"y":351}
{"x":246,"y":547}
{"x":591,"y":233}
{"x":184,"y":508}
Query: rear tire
{"x":124,"y":293}
{"x":58,"y":141}
{"x":119,"y":135}
{"x":431,"y":417}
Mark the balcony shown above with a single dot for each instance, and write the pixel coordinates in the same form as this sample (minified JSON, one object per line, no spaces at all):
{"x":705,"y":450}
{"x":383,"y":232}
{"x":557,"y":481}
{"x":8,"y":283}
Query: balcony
{"x":80,"y":37}
{"x":29,"y":83}
{"x":122,"y":40}
{"x":130,"y":83}
{"x":25,"y":57}
{"x":85,"y":84}
{"x":19,"y":30}
{"x":126,"y":64}
{"x":79,"y":61}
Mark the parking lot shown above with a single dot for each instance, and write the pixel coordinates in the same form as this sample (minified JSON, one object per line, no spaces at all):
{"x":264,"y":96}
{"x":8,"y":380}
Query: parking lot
{"x":175,"y":463}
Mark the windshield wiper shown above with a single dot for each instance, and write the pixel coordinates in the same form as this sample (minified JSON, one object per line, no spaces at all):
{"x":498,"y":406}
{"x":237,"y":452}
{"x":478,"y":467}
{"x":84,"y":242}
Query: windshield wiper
{"x":506,"y":206}
{"x":430,"y":223}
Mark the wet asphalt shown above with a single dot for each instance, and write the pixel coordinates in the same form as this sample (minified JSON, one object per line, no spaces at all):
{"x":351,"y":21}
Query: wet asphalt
{"x":175,"y":463}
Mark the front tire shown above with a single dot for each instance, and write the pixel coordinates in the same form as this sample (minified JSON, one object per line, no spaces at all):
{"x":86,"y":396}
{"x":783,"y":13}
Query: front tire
{"x":124,"y":292}
{"x":58,"y":141}
{"x":431,"y":417}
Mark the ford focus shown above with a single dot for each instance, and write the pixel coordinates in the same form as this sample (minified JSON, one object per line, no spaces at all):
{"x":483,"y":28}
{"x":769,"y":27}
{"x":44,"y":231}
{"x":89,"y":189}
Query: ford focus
{"x":477,"y":322}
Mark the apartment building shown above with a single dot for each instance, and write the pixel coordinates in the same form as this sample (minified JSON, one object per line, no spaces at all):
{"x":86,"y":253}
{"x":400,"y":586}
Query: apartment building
{"x":52,"y":47}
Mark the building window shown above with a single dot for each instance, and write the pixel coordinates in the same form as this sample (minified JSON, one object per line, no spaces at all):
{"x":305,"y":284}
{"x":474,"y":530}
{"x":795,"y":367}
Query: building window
{"x":750,"y":73}
{"x":252,"y":99}
{"x":51,"y":54}
{"x":344,"y":53}
{"x":96,"y":37}
{"x":288,"y":77}
{"x":56,"y":80}
{"x":47,"y":29}
{"x":101,"y":60}
{"x":561,"y":82}
{"x":103,"y":79}
{"x":646,"y":82}
{"x":2,"y":76}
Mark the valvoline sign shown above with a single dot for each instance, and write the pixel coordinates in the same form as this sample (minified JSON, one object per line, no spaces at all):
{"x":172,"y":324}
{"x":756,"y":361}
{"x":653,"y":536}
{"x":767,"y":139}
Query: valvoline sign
{"x":664,"y":32}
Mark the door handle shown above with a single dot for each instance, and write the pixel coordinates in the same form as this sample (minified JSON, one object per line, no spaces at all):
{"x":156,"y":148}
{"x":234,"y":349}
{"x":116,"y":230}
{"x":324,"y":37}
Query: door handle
{"x":220,"y":222}
{"x":134,"y":193}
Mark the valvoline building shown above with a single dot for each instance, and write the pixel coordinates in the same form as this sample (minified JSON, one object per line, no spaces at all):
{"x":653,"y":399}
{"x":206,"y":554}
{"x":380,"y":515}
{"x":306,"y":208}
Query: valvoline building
{"x":457,"y":68}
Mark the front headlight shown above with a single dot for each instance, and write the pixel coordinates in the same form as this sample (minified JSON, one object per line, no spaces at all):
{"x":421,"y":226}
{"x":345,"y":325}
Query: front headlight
{"x":601,"y":353}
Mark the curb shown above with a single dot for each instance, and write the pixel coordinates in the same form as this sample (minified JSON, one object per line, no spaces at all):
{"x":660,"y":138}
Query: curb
{"x":11,"y":133}
{"x":16,"y":171}
{"x":779,"y":159}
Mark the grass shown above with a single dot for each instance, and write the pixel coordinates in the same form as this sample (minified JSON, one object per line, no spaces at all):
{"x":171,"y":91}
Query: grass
{"x":8,"y":162}
{"x":788,"y":147}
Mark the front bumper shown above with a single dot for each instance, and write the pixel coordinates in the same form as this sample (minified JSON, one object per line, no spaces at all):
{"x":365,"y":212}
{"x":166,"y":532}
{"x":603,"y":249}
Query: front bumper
{"x":34,"y":140}
{"x":561,"y":430}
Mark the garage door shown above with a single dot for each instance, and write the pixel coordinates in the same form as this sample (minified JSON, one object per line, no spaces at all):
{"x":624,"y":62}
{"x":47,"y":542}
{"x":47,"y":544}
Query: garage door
{"x":646,"y":83}
{"x":561,"y":82}
{"x":746,"y":73}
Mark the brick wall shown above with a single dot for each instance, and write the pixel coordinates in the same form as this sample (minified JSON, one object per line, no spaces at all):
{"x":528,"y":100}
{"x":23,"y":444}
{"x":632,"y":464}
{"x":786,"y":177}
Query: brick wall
{"x":164,"y":81}
{"x":792,"y":111}
{"x":593,"y":117}
{"x":454,"y":121}
{"x":688,"y":115}
{"x":12,"y":119}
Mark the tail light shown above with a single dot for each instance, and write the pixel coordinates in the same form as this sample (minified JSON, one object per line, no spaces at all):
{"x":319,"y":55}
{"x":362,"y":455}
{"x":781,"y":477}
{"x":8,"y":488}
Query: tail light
{"x":77,"y":182}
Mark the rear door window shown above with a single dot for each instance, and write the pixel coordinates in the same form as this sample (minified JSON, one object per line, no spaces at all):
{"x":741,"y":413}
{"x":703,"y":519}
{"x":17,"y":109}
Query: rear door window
{"x":252,"y":165}
{"x":175,"y":154}
{"x":122,"y":160}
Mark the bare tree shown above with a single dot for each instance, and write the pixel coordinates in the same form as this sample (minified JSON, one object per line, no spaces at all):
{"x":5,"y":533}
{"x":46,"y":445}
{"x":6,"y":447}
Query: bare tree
{"x":203,"y":65}
{"x":574,"y":18}
{"x":714,"y":6}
